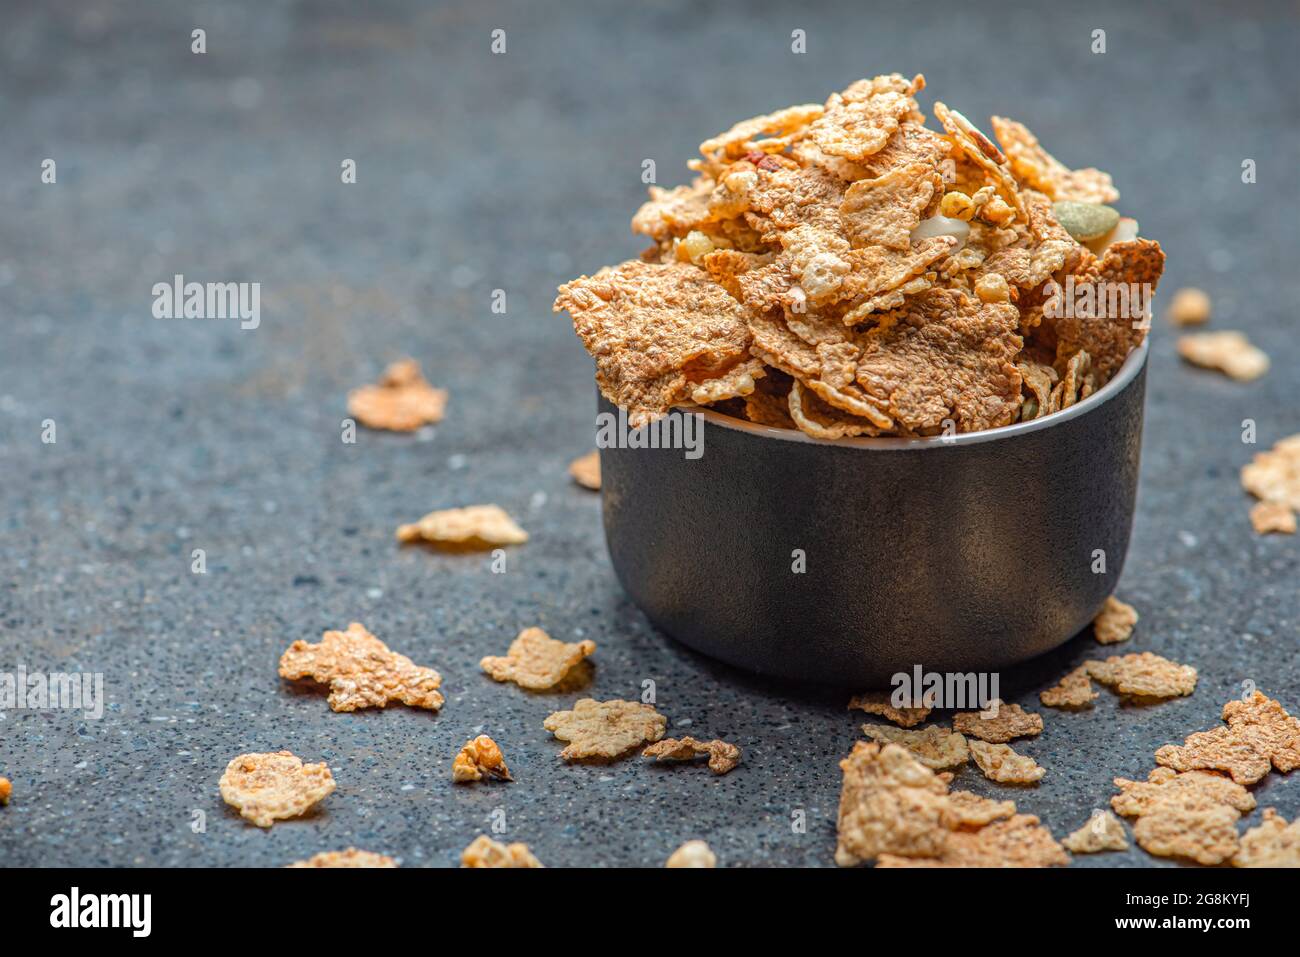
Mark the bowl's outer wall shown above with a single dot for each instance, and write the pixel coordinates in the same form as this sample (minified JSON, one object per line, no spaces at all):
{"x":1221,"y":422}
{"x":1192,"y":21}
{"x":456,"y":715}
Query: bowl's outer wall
{"x":957,"y":558}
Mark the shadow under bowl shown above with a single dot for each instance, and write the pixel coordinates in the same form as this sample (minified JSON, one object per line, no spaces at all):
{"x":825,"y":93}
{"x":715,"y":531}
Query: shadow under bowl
{"x":848,"y":562}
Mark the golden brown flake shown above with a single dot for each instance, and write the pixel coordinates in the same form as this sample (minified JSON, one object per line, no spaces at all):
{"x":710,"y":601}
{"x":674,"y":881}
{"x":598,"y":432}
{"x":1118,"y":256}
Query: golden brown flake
{"x":586,"y":470}
{"x":265,"y":788}
{"x":1037,"y":168}
{"x":349,"y":858}
{"x":1270,"y":517}
{"x":886,"y":209}
{"x":723,"y":757}
{"x":1267,"y":726}
{"x":981,"y":151}
{"x":890,"y":804}
{"x":881,"y":703}
{"x":362,"y":671}
{"x":768,"y":133}
{"x":485,"y":852}
{"x":475,"y":527}
{"x":1073,"y":692}
{"x":1273,"y":843}
{"x":1195,"y":788}
{"x":1103,"y":832}
{"x":1227,"y":351}
{"x":692,"y":854}
{"x":657,"y":332}
{"x":1004,"y":723}
{"x":822,"y":420}
{"x":674,"y":212}
{"x":402,"y":401}
{"x":1114,"y":623}
{"x":605,"y":730}
{"x":1144,"y":675}
{"x":1274,"y":476}
{"x":1189,"y":307}
{"x":855,"y":128}
{"x":537,"y":661}
{"x":1207,"y":835}
{"x":1220,"y":749}
{"x":1021,"y":841}
{"x":1001,"y":763}
{"x":967,"y":810}
{"x":480,"y":758}
{"x":936,"y":746}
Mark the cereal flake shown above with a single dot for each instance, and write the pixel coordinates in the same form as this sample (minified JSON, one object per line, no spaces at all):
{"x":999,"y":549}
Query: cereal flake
{"x":1103,"y":832}
{"x":537,"y":661}
{"x":890,"y":804}
{"x":265,"y":788}
{"x":1114,"y":623}
{"x":480,"y":758}
{"x":692,"y":854}
{"x":605,"y":730}
{"x":586,"y":470}
{"x":485,"y":852}
{"x":936,"y":746}
{"x":1073,"y":692}
{"x":1273,"y":843}
{"x":1020,"y":841}
{"x":402,"y":401}
{"x":723,"y":757}
{"x":881,"y":703}
{"x":1228,"y":351}
{"x":1004,"y":723}
{"x":349,"y":858}
{"x":1144,"y":675}
{"x":361,"y":671}
{"x":475,"y":527}
{"x":1001,"y":763}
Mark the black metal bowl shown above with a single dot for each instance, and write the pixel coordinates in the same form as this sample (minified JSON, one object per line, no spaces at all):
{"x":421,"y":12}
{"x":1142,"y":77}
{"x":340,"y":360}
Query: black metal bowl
{"x":964,"y":554}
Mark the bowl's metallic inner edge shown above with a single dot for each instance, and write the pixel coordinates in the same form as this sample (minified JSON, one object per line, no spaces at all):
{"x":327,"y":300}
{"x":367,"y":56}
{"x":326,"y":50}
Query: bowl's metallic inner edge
{"x":1118,"y":382}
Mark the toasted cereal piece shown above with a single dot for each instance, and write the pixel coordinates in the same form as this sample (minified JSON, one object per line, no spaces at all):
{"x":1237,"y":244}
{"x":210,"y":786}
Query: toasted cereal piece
{"x":1204,"y":834}
{"x":723,"y":757}
{"x":475,"y":527}
{"x":981,"y":151}
{"x":1114,"y":623}
{"x":480,"y":758}
{"x":1272,"y":843}
{"x":890,"y":804}
{"x":1268,"y":727}
{"x":1189,"y":307}
{"x":485,"y":852}
{"x":1274,"y":476}
{"x":266,"y":788}
{"x":1001,"y":763}
{"x":6,"y":790}
{"x":537,"y":661}
{"x":967,"y":810}
{"x":402,"y":401}
{"x":936,"y":746}
{"x":692,"y":854}
{"x":586,"y":470}
{"x":1071,"y":693}
{"x":605,"y":730}
{"x":1144,"y":675}
{"x":1020,"y":841}
{"x":1196,"y":788}
{"x":855,"y":128}
{"x":1220,"y":749}
{"x":1270,"y":517}
{"x":1227,"y":351}
{"x":1004,"y":723}
{"x":1103,"y":832}
{"x":884,"y":211}
{"x":1037,"y":168}
{"x":361,"y":671}
{"x":349,"y":858}
{"x":881,"y":703}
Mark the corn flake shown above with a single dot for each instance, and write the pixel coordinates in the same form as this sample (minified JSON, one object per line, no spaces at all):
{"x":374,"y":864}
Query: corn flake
{"x":349,"y":858}
{"x":1229,"y":352}
{"x":886,"y":209}
{"x":1037,"y":168}
{"x":936,"y":747}
{"x":1144,"y":675}
{"x":537,"y":661}
{"x":1189,"y":307}
{"x":723,"y":757}
{"x":361,"y":671}
{"x":890,"y":804}
{"x":1114,"y":623}
{"x":1273,"y":843}
{"x":1206,"y":834}
{"x":1267,"y":726}
{"x":480,"y":758}
{"x":1274,"y":476}
{"x":1103,"y":832}
{"x":1020,"y":841}
{"x":1001,"y":763}
{"x":605,"y":730}
{"x":881,"y":703}
{"x":968,"y":810}
{"x":475,"y":527}
{"x":692,"y":854}
{"x":265,"y":788}
{"x":1192,"y":788}
{"x":485,"y":852}
{"x":1073,"y":692}
{"x":1220,"y":749}
{"x":1005,"y":722}
{"x":402,"y":401}
{"x":586,"y":470}
{"x":1270,"y":517}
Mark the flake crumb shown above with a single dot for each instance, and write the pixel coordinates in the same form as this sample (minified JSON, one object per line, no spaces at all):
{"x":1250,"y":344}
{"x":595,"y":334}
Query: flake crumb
{"x":1189,"y":307}
{"x":1144,"y":675}
{"x":1020,"y":841}
{"x":999,"y":723}
{"x":692,"y":854}
{"x":1273,"y":477}
{"x":361,"y":671}
{"x":1272,"y":517}
{"x":1115,"y":622}
{"x":1072,"y":693}
{"x":586,"y":470}
{"x":880,"y":702}
{"x":538,"y":662}
{"x":485,"y":852}
{"x":605,"y":730}
{"x":890,"y":804}
{"x":1229,"y":352}
{"x":349,"y":858}
{"x":936,"y":747}
{"x":402,"y":401}
{"x":1273,"y":843}
{"x":473,"y":528}
{"x":1001,"y":763}
{"x":723,"y":757}
{"x":480,"y":758}
{"x":265,"y":788}
{"x":967,"y":810}
{"x":1103,"y":832}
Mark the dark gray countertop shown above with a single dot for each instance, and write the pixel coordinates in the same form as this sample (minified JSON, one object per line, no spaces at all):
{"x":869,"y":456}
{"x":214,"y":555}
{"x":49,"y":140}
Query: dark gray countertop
{"x":517,"y":172}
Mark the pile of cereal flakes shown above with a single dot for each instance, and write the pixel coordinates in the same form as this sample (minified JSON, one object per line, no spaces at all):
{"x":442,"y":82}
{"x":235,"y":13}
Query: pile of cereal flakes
{"x":845,"y":270}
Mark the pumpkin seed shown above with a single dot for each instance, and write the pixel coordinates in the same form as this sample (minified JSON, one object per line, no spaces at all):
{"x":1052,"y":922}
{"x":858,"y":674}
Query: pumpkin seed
{"x":1085,"y":221}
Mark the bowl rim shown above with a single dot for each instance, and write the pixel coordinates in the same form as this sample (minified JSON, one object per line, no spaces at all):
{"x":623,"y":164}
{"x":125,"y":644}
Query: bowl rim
{"x":1133,"y":364}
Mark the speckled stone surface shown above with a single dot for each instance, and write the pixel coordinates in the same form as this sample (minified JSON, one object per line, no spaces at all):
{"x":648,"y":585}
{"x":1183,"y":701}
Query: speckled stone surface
{"x":479,"y":172}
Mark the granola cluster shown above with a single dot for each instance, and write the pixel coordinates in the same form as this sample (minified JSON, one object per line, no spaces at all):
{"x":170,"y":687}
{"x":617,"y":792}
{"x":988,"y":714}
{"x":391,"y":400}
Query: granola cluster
{"x":845,"y":270}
